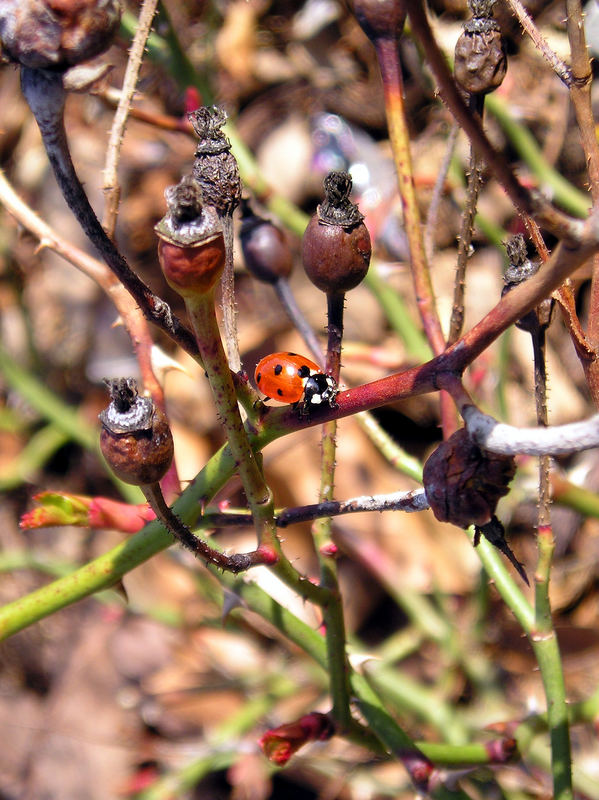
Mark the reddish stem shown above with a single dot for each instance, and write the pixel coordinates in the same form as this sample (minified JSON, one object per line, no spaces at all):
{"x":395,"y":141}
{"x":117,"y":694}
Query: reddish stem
{"x":398,"y":134}
{"x":429,"y":376}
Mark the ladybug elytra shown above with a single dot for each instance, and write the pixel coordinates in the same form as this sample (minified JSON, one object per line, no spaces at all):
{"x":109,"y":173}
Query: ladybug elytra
{"x":292,"y":378}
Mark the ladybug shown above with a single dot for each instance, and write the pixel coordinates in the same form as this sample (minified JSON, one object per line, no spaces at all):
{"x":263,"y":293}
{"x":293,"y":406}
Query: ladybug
{"x":292,"y":378}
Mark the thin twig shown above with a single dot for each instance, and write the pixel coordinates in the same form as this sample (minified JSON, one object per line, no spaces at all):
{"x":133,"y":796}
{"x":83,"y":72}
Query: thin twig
{"x":237,"y":562}
{"x":400,"y":142}
{"x":295,"y":314}
{"x":464,"y":247}
{"x":387,"y":52}
{"x":555,"y":62}
{"x":333,"y":616}
{"x":437,"y":194}
{"x":580,"y":95}
{"x":414,"y":500}
{"x":113,"y":149}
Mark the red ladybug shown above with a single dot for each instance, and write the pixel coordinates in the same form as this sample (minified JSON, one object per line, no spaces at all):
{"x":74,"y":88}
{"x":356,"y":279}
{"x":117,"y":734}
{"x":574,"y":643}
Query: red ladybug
{"x":292,"y":378}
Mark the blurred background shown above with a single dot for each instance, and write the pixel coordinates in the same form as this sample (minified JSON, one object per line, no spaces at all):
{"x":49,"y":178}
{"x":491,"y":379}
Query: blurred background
{"x":152,"y":681}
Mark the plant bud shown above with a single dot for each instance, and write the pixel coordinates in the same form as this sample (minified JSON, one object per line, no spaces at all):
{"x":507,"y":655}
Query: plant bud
{"x":191,"y":247}
{"x":279,"y":744}
{"x":136,"y":439}
{"x":57,"y":34}
{"x":265,"y":247}
{"x":463,"y":483}
{"x":480,"y":61}
{"x":336,"y":245}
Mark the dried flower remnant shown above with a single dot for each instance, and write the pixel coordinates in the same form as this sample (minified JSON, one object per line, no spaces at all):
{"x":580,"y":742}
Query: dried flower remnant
{"x":57,"y":34}
{"x":463,"y":483}
{"x":216,"y":170}
{"x":215,"y":167}
{"x":480,"y":60}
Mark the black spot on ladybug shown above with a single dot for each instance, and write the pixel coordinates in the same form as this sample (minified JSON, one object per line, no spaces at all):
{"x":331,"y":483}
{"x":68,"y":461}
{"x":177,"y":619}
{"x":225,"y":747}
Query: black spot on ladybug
{"x":304,"y":371}
{"x":278,"y":369}
{"x":280,"y":392}
{"x":258,"y":377}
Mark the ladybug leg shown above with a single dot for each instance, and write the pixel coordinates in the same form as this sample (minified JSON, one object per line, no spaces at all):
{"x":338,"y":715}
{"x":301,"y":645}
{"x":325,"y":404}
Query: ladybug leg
{"x":302,"y":408}
{"x":260,"y":405}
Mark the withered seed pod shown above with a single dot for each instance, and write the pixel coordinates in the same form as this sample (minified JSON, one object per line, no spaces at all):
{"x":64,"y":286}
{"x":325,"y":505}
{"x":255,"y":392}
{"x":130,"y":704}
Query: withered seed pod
{"x":57,"y":34}
{"x":480,"y":61}
{"x":463,"y":483}
{"x":336,"y":245}
{"x":191,"y":247}
{"x":136,"y":439}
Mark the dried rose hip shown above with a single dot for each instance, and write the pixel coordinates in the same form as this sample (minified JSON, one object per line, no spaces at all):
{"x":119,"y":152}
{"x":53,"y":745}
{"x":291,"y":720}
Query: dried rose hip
{"x":480,"y":61}
{"x":57,"y":34}
{"x":336,"y":246}
{"x":191,"y":247}
{"x":136,"y":439}
{"x":463,"y":483}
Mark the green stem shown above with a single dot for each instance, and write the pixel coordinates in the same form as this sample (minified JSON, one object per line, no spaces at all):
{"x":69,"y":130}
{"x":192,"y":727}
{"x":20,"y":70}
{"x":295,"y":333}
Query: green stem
{"x":39,"y":449}
{"x":539,"y":628}
{"x":549,"y":660}
{"x":259,"y":497}
{"x":562,"y":191}
{"x":577,"y":497}
{"x":388,"y":447}
{"x":321,"y":531}
{"x":546,"y":648}
{"x":314,"y":644}
{"x":403,"y":694}
{"x":544,"y":639}
{"x":392,"y":736}
{"x":203,"y":319}
{"x":511,"y":594}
